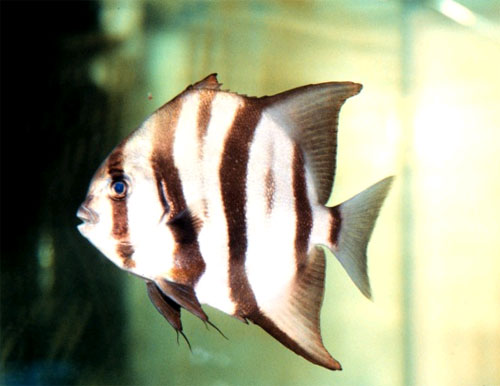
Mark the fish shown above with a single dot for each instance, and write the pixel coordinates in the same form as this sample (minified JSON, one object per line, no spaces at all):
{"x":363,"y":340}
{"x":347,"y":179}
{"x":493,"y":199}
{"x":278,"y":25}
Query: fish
{"x":220,"y":199}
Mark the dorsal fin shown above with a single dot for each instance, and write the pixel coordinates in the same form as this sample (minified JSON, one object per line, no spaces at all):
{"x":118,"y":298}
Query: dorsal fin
{"x":208,"y":83}
{"x":294,"y":320}
{"x":310,"y":115}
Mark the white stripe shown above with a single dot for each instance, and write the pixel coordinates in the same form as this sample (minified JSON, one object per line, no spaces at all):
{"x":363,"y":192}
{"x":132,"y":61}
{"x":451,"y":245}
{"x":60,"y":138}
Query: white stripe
{"x":185,"y":149}
{"x":213,"y":287}
{"x":320,"y":233}
{"x":152,"y":241}
{"x":270,"y":261}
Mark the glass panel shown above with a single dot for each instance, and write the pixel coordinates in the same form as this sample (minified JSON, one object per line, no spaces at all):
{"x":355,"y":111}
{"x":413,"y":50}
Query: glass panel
{"x":78,"y":77}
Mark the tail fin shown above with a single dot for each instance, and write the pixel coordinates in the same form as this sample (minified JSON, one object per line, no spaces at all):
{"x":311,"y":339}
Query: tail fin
{"x":357,"y":219}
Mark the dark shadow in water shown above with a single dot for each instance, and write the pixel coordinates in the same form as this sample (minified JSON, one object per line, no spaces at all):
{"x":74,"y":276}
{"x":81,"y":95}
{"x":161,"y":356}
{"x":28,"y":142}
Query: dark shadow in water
{"x":62,"y":317}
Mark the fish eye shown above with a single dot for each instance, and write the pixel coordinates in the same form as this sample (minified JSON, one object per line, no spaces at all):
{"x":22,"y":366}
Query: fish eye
{"x":118,"y":189}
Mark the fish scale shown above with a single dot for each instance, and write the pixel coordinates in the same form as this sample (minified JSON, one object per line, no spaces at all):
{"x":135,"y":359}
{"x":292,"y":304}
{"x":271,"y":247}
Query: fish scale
{"x":219,"y":199}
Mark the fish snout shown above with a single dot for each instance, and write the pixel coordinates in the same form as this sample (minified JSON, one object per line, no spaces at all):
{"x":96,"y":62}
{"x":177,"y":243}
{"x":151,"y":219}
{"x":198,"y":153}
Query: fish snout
{"x":87,"y":215}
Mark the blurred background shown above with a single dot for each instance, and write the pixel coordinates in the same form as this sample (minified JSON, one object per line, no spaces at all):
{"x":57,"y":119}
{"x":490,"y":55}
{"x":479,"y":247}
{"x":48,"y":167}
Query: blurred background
{"x":76,"y":77}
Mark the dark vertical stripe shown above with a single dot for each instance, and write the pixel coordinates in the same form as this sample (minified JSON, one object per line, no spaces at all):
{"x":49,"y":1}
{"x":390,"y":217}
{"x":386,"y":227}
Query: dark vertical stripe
{"x":120,"y":229}
{"x":335,"y":224}
{"x":188,"y":262}
{"x":126,"y":251}
{"x":162,"y":158}
{"x":233,"y":174}
{"x":303,"y":213}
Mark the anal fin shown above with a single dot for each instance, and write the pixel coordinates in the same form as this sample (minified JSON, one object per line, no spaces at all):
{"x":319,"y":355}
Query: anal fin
{"x":295,"y":318}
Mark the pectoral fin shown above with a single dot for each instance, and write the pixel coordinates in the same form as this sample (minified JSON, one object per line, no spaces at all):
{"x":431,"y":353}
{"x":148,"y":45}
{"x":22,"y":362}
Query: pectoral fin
{"x":185,"y":226}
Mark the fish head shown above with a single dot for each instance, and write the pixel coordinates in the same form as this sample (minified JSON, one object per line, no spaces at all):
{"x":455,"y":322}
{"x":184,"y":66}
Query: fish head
{"x":123,"y":214}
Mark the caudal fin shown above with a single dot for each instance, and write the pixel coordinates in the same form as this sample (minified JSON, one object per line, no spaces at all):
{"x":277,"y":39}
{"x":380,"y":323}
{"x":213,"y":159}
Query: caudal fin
{"x":355,"y":226}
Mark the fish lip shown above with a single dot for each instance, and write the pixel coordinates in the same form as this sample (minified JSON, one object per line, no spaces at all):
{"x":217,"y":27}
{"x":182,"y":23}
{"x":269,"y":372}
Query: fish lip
{"x":87,"y":215}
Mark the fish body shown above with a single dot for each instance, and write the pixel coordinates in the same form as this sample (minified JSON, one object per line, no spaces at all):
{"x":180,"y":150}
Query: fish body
{"x":219,"y":199}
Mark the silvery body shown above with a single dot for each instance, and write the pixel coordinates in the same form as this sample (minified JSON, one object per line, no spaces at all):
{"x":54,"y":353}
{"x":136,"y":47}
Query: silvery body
{"x":219,"y":199}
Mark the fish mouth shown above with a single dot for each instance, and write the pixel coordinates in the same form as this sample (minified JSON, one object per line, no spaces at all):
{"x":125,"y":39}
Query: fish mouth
{"x":87,"y":215}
